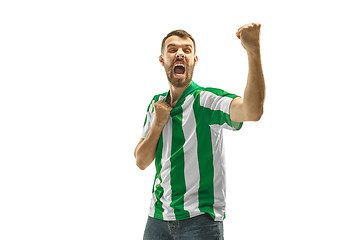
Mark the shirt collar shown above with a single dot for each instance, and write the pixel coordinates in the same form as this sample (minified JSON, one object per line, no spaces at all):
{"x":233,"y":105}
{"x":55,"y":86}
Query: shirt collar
{"x":189,"y":90}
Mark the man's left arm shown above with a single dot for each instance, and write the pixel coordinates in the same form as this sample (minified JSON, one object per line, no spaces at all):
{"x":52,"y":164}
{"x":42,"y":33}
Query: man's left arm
{"x":250,"y":107}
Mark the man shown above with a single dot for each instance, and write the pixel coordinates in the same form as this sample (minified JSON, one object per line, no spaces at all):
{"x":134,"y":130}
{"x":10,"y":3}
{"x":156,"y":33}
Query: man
{"x":183,"y":133}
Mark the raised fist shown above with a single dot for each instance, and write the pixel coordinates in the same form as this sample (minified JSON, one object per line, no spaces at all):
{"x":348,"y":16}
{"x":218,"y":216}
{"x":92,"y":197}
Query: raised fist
{"x":249,"y":35}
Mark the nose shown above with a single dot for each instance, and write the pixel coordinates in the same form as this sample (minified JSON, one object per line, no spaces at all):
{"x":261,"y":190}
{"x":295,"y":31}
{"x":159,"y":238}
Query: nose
{"x":180,"y":54}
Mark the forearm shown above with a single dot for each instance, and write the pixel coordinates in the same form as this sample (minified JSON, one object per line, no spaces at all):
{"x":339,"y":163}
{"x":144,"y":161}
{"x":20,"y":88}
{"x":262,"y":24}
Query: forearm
{"x":254,"y":94}
{"x":145,"y":152}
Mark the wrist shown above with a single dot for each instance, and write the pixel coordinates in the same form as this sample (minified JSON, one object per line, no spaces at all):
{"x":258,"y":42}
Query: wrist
{"x":158,"y":126}
{"x":254,"y":53}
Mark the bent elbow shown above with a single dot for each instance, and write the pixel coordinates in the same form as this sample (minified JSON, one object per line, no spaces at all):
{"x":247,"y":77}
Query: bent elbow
{"x":256,"y":116}
{"x":141,"y":167}
{"x":138,"y":160}
{"x":140,"y":164}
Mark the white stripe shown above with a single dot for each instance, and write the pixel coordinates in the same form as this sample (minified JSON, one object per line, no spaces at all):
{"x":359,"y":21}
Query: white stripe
{"x":153,"y":198}
{"x":215,"y":102}
{"x":161,"y":97}
{"x":165,"y":171}
{"x":219,"y":172}
{"x":192,"y":175}
{"x":147,"y":125}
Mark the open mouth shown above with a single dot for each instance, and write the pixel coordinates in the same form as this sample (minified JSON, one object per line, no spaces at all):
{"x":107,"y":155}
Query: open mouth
{"x":179,"y":69}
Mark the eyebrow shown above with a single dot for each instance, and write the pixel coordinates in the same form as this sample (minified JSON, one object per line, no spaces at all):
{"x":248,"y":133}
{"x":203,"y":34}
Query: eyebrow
{"x":174,"y":45}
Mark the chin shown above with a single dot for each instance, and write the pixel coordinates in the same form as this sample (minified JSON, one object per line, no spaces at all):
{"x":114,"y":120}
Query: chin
{"x":178,"y":82}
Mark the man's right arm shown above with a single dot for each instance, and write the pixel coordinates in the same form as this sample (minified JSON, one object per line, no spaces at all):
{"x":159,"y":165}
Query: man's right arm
{"x":145,"y":151}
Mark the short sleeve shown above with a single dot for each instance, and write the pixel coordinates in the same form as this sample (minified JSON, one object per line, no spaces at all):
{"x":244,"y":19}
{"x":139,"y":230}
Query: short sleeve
{"x":148,"y":120}
{"x":216,"y":104}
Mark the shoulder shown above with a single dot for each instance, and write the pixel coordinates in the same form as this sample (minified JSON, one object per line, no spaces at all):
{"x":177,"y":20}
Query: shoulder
{"x":218,"y":92}
{"x":209,"y":95}
{"x":156,"y":98}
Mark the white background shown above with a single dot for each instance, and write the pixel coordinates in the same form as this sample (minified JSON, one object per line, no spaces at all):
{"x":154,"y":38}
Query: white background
{"x":76,"y":79}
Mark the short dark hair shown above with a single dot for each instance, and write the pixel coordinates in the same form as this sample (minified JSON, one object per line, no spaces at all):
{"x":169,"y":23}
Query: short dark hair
{"x":179,"y":33}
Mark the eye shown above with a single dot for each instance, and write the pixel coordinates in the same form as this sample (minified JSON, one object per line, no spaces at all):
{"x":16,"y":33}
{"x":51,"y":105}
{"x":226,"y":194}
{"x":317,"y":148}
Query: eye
{"x":187,"y":50}
{"x":172,"y":50}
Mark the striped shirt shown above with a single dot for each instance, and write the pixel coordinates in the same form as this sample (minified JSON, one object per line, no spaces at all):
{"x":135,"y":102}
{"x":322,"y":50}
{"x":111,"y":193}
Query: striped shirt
{"x":190,"y":164}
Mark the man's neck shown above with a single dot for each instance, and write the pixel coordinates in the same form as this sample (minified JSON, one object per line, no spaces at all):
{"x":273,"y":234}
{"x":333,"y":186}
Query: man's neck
{"x":175,"y":93}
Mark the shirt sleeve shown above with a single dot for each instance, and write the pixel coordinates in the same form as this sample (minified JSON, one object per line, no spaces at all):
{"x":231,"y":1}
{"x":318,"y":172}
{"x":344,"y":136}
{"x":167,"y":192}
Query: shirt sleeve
{"x":216,"y":104}
{"x":148,"y":120}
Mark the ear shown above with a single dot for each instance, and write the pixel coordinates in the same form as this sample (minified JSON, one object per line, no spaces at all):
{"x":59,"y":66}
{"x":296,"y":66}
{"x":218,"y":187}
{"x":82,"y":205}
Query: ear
{"x":161,"y":60}
{"x":195,"y":59}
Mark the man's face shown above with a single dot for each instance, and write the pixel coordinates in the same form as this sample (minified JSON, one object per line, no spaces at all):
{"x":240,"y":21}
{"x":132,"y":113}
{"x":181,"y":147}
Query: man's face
{"x":179,"y":59}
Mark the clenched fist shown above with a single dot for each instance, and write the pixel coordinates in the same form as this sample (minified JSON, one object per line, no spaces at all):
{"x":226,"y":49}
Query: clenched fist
{"x":162,"y":113}
{"x":249,"y":35}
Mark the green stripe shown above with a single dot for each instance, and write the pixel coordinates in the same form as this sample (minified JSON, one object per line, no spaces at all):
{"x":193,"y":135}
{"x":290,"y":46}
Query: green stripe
{"x":145,"y":120}
{"x":218,"y":116}
{"x":159,"y":190}
{"x":205,"y":158}
{"x":177,"y":175}
{"x":215,"y":116}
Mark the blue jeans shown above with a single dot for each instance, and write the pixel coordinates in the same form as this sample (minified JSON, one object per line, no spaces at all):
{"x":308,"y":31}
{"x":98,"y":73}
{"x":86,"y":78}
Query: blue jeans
{"x":201,"y":227}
